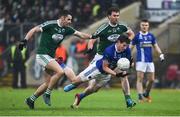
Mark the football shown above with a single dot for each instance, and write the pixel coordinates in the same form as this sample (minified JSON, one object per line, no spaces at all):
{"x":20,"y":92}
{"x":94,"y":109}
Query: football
{"x":123,"y":64}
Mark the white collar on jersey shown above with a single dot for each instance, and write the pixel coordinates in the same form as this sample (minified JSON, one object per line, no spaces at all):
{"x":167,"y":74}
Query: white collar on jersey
{"x":117,"y":49}
{"x":112,"y":24}
{"x":143,"y":33}
{"x":59,"y":23}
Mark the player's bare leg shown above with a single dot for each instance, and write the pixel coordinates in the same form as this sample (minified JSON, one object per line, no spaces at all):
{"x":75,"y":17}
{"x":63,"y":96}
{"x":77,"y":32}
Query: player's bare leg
{"x":139,"y":86}
{"x":150,"y":77}
{"x":41,"y":89}
{"x":70,"y":74}
{"x":76,"y":82}
{"x":89,"y":90}
{"x":58,"y":72}
{"x":126,"y":90}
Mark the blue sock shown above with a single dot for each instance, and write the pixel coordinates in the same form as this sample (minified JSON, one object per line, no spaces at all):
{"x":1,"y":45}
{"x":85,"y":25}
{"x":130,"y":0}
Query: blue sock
{"x":140,"y":96}
{"x":82,"y":95}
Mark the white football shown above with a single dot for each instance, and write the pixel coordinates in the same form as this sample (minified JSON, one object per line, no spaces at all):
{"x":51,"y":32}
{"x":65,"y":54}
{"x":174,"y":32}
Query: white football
{"x":123,"y":64}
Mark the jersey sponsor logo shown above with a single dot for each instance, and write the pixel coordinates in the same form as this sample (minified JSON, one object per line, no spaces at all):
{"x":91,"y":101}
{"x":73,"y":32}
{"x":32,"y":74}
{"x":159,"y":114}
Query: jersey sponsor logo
{"x":146,"y":44}
{"x":113,"y":37}
{"x":57,"y":37}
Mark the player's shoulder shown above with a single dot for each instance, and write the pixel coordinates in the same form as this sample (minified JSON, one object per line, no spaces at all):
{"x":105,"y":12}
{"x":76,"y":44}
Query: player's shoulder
{"x":69,"y":27}
{"x":149,"y":33}
{"x":50,"y":22}
{"x":110,"y":48}
{"x":103,"y":26}
{"x":122,"y":24}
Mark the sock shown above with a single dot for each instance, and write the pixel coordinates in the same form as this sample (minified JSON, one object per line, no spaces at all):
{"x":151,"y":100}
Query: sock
{"x":48,"y":91}
{"x":146,"y":93}
{"x":140,"y":96}
{"x":82,"y":95}
{"x":33,"y":97}
{"x":127,"y":97}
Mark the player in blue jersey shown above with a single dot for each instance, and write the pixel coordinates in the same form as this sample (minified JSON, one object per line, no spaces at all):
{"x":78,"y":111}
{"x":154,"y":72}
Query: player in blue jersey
{"x":105,"y":35}
{"x":144,"y":41}
{"x":104,"y":66}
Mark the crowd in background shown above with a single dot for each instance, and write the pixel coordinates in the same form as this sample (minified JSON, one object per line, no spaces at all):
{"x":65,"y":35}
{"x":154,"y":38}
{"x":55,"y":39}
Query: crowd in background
{"x":84,"y":11}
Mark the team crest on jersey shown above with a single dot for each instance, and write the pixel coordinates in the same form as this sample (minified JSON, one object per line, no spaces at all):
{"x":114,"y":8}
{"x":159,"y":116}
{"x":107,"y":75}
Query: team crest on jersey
{"x":57,"y":37}
{"x":113,"y":37}
{"x":140,"y":36}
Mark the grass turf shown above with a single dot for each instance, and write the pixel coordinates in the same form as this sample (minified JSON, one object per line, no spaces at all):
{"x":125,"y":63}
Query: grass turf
{"x":104,"y":103}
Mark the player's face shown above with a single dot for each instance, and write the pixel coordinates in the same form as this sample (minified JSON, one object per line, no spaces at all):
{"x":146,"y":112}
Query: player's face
{"x":113,"y":18}
{"x":121,"y":46}
{"x":66,"y":20}
{"x":144,"y":26}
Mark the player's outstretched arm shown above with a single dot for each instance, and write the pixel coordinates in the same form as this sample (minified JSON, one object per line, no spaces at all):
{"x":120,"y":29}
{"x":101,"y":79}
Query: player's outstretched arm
{"x":31,"y":32}
{"x":130,"y":34}
{"x":28,"y":36}
{"x":82,"y":35}
{"x":90,"y":46}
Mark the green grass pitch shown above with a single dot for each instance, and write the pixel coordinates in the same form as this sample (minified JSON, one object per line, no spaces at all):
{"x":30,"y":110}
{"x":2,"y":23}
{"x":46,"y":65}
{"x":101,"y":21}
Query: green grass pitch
{"x":104,"y":103}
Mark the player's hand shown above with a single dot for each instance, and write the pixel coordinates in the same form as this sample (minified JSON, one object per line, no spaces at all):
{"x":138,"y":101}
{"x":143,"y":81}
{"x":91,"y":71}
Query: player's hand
{"x":88,"y":51}
{"x":121,"y":74}
{"x":161,"y":56}
{"x":22,"y":44}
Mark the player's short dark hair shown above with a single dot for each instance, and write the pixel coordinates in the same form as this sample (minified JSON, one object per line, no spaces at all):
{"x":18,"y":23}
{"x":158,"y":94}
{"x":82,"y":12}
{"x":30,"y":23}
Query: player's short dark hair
{"x":112,"y":9}
{"x":144,"y":20}
{"x":124,"y":38}
{"x":64,"y":13}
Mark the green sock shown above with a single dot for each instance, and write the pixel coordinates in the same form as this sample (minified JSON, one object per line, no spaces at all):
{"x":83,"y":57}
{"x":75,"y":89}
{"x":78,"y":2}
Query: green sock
{"x":127,"y":97}
{"x":33,"y":97}
{"x":48,"y":91}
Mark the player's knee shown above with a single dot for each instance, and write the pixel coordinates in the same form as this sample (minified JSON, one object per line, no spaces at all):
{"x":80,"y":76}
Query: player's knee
{"x":151,"y":80}
{"x":75,"y":79}
{"x":60,"y":73}
{"x":140,"y":79}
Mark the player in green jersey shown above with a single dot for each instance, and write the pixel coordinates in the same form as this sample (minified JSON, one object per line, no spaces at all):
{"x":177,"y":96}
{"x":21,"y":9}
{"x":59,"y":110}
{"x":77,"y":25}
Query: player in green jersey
{"x":52,"y":34}
{"x":107,"y":33}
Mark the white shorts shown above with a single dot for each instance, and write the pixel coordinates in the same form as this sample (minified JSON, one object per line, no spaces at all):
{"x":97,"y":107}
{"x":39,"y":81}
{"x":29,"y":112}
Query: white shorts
{"x":145,"y":67}
{"x":96,"y":57}
{"x":43,"y":59}
{"x":92,"y":72}
{"x":103,"y":78}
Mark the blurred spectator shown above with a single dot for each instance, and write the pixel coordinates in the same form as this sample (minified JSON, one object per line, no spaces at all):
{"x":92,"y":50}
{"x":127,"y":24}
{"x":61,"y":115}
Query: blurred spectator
{"x":17,"y":61}
{"x":81,"y":58}
{"x":171,"y":75}
{"x":61,"y":52}
{"x":178,"y":79}
{"x":85,"y":11}
{"x":3,"y":62}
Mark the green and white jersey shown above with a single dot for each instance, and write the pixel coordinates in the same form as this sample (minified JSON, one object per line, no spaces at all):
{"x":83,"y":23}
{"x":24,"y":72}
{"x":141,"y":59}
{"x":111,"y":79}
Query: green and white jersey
{"x":52,"y":35}
{"x":107,"y":35}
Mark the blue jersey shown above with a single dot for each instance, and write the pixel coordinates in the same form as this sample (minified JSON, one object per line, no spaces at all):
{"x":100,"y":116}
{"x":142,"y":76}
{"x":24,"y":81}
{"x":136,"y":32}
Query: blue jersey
{"x":112,"y":56}
{"x":144,"y":43}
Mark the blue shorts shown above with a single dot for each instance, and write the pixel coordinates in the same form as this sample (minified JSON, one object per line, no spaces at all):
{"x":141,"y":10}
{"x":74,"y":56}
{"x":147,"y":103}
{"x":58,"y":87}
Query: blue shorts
{"x":62,"y":65}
